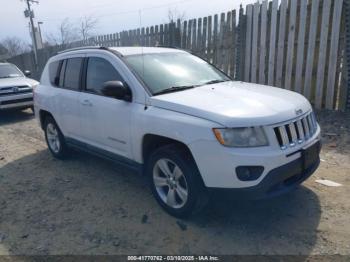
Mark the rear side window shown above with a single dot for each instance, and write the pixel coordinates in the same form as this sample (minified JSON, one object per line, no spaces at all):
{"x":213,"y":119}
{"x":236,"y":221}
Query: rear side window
{"x":72,"y":73}
{"x":53,"y":72}
{"x":98,"y":72}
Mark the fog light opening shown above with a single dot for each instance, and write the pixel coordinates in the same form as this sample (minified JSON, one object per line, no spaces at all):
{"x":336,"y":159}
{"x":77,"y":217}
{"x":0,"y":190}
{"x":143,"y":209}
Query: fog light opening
{"x":249,"y":173}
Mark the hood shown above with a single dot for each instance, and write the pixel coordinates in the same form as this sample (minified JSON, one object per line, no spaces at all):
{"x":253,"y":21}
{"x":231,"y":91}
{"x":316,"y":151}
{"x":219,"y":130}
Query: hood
{"x":17,"y":81}
{"x":236,"y":104}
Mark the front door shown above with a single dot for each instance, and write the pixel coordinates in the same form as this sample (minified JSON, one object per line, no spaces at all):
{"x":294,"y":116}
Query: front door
{"x":105,"y":121}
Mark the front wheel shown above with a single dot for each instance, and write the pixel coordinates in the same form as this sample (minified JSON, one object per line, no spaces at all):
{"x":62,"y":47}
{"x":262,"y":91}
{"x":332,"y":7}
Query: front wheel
{"x":54,"y":138}
{"x":175,"y":181}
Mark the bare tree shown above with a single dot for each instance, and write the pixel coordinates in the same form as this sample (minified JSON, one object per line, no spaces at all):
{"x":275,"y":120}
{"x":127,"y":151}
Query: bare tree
{"x":3,"y":50}
{"x":87,"y":26}
{"x":51,"y":40}
{"x":15,"y":46}
{"x":174,"y":14}
{"x":66,"y":34}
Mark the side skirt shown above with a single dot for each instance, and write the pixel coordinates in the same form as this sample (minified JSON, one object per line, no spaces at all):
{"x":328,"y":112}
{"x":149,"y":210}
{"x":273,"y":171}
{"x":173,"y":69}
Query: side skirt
{"x":117,"y":159}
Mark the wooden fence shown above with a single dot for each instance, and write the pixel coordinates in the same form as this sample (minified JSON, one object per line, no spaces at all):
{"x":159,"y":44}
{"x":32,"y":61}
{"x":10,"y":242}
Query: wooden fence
{"x":293,"y":44}
{"x":346,"y":61}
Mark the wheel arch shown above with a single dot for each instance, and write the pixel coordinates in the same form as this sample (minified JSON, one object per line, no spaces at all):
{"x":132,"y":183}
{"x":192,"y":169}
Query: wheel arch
{"x":151,"y":142}
{"x":199,"y":193}
{"x":43,"y":114}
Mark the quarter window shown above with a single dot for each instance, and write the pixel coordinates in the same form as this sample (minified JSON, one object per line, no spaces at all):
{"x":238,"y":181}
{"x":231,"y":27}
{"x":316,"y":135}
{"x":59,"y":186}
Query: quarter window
{"x":53,"y":72}
{"x":61,"y":77}
{"x":72,"y":73}
{"x":98,"y":72}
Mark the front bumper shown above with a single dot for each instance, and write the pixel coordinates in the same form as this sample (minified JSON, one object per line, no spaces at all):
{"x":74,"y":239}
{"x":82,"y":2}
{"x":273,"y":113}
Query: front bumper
{"x":217,"y":164}
{"x":16,"y":101}
{"x":278,"y":181}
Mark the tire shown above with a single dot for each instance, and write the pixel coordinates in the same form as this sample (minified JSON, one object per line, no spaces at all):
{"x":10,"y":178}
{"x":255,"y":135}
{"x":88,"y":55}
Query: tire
{"x":175,"y":181}
{"x":54,"y":138}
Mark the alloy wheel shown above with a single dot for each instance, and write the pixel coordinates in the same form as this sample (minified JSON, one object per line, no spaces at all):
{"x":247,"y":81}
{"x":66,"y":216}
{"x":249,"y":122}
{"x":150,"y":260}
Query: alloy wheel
{"x":170,"y":183}
{"x":53,"y":138}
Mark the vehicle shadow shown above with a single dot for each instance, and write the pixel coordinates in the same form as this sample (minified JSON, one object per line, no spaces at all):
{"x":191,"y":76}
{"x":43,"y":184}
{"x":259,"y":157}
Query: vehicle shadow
{"x":13,"y":116}
{"x":85,"y":205}
{"x":283,"y":225}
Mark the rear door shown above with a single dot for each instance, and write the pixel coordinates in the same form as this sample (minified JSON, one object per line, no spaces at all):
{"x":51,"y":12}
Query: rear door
{"x":68,"y":92}
{"x":105,"y":121}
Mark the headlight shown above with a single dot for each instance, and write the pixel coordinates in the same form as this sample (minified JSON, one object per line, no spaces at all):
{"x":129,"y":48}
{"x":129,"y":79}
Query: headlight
{"x":241,"y":137}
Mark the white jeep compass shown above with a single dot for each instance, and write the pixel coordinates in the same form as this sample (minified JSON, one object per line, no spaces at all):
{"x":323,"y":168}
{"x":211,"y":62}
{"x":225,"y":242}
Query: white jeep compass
{"x":181,"y":121}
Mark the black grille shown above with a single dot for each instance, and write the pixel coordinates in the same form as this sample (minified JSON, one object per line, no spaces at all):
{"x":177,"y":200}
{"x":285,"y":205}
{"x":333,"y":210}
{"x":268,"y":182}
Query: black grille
{"x":296,"y":132}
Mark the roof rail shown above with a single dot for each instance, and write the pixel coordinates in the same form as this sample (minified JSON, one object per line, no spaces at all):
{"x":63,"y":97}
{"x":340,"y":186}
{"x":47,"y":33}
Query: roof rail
{"x":82,"y":48}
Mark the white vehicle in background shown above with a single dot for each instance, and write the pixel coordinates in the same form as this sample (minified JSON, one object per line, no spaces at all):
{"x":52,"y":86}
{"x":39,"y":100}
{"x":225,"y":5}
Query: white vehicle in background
{"x":190,"y":128}
{"x":16,"y":89}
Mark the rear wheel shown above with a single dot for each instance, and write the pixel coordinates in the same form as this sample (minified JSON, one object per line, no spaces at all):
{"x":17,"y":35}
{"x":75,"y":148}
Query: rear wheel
{"x":54,"y":138}
{"x":175,"y":181}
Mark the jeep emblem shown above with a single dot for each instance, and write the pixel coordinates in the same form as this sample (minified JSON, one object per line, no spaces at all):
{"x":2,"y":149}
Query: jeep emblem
{"x":298,"y":112}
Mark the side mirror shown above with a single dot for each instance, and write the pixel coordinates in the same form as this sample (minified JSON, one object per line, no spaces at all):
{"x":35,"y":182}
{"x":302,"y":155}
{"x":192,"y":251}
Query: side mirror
{"x":117,"y":90}
{"x":27,"y":73}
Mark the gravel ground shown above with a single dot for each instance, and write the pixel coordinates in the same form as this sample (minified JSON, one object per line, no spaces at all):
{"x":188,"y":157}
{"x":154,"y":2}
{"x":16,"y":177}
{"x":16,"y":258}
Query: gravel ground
{"x":86,"y":205}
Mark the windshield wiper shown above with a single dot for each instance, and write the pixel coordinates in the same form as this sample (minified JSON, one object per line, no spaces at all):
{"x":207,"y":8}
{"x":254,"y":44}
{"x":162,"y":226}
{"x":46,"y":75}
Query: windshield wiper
{"x":214,"y":82}
{"x":174,"y":89}
{"x":180,"y":88}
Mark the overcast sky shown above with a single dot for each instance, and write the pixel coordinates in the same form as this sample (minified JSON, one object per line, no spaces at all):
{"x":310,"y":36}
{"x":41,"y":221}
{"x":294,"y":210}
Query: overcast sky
{"x":113,"y":15}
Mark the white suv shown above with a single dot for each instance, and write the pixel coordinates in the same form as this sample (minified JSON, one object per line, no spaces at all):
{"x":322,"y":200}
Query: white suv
{"x":16,"y":89}
{"x":180,"y":120}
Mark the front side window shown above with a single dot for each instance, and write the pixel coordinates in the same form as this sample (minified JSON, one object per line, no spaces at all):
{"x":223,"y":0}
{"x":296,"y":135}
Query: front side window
{"x":164,"y":71}
{"x":72,"y":73}
{"x":9,"y":71}
{"x":98,"y":72}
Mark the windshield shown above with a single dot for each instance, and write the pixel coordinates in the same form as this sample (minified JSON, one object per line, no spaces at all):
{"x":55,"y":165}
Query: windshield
{"x":8,"y":71}
{"x":174,"y":71}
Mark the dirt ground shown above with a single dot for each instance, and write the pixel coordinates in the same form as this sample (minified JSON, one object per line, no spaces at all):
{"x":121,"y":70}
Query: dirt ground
{"x":86,"y":205}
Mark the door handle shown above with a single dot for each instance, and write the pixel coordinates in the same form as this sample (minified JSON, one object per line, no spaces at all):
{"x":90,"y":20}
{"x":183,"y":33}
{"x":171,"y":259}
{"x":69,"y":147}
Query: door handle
{"x":86,"y":103}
